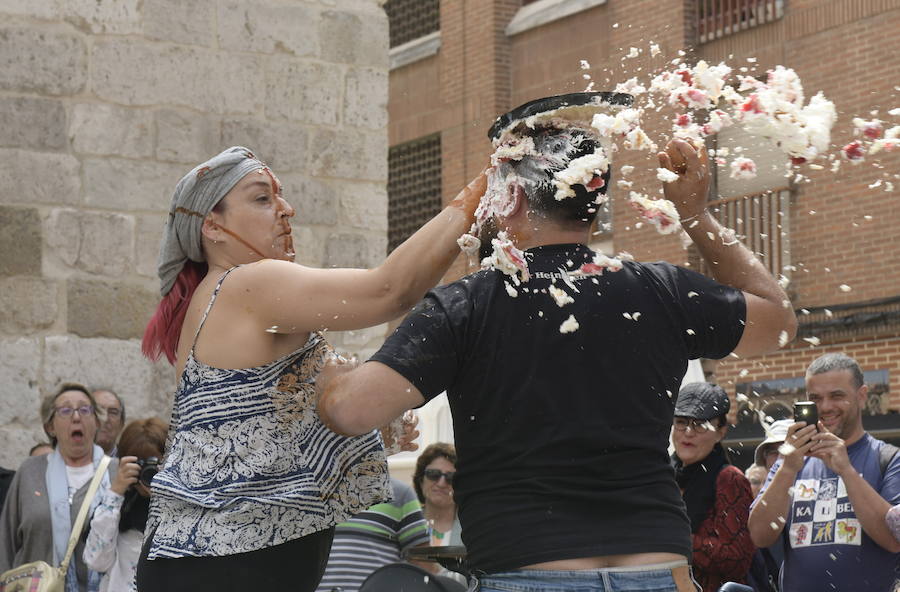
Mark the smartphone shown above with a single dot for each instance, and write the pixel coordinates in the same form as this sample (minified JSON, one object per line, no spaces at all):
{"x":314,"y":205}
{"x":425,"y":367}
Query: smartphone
{"x":806,"y":411}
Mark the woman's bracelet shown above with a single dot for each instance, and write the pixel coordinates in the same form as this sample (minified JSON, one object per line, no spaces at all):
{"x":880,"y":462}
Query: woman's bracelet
{"x":694,"y":217}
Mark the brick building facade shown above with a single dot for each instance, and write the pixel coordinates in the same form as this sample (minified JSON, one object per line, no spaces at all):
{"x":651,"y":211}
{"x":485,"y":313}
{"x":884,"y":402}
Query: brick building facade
{"x":836,"y":230}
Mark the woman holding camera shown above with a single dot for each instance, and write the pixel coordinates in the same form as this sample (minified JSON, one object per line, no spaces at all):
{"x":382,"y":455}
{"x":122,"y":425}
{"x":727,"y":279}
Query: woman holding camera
{"x":716,"y":493}
{"x":117,"y":528}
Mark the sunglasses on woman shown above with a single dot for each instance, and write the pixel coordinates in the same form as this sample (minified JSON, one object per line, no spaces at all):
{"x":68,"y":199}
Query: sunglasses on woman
{"x":436,"y":474}
{"x":700,"y":426}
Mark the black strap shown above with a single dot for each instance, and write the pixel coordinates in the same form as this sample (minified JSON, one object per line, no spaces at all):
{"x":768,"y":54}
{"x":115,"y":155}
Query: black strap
{"x":886,"y":455}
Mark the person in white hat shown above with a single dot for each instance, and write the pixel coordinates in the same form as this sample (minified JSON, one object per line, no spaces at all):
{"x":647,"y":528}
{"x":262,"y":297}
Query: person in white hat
{"x":767,"y":452}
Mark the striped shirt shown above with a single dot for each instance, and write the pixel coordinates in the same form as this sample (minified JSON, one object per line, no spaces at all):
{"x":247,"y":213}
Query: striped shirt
{"x":374,"y":538}
{"x":250,"y":465}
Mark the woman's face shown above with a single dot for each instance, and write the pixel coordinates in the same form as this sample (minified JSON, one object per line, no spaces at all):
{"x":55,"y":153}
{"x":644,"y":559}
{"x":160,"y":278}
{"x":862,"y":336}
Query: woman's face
{"x":255,"y":219}
{"x":694,"y":443}
{"x":440,"y":492}
{"x":74,"y":425}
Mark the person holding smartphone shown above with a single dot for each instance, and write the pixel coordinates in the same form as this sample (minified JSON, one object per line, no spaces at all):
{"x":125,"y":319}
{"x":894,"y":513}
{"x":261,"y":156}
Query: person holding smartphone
{"x":829,"y":492}
{"x":117,"y":527}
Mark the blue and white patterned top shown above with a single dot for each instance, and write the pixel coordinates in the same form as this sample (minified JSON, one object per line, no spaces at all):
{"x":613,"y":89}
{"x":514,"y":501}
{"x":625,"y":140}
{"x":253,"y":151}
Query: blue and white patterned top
{"x":249,"y":465}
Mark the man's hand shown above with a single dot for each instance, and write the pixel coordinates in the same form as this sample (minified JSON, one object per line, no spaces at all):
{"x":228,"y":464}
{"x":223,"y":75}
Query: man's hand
{"x":127,"y":475}
{"x":689,"y":192}
{"x":398,"y":435}
{"x":831,"y":450}
{"x":797,"y":444}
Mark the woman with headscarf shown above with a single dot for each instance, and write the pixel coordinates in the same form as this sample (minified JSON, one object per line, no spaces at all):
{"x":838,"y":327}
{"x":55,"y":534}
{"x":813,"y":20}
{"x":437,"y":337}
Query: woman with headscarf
{"x":716,"y":494}
{"x":253,"y":482}
{"x":48,"y":490}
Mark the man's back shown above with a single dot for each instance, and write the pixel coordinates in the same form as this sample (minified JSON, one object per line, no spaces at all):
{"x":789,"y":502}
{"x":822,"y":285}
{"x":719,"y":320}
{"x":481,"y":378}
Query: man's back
{"x":562,"y":436}
{"x":826,"y":548}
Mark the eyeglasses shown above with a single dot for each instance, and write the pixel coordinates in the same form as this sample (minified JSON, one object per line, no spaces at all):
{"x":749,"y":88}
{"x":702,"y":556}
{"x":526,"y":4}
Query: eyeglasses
{"x":113,"y":412}
{"x":701,"y":426}
{"x":436,"y":474}
{"x":83,"y":411}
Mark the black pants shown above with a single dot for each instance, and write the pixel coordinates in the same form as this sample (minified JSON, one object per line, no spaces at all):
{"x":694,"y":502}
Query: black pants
{"x":295,"y":566}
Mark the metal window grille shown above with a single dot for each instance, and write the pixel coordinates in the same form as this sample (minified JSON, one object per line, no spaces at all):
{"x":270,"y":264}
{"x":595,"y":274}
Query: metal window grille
{"x":718,"y":18}
{"x":414,"y":187}
{"x":411,"y":19}
{"x":760,"y":222}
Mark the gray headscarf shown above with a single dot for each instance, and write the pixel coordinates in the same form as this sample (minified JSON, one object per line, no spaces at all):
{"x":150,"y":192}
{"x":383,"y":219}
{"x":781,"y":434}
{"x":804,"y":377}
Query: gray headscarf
{"x":195,"y":196}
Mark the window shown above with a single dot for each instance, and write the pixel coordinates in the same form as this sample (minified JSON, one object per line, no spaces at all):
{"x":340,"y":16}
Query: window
{"x":414,"y":187}
{"x":411,"y":19}
{"x":760,"y":222}
{"x":757,"y":209}
{"x":718,"y":18}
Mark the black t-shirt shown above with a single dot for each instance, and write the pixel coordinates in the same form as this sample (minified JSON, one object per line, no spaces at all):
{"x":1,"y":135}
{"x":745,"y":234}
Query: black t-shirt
{"x":562,"y":437}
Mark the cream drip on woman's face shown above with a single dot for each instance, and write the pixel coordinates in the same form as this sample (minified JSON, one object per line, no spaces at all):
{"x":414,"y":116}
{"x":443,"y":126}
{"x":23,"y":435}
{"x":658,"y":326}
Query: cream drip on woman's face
{"x":253,"y":221}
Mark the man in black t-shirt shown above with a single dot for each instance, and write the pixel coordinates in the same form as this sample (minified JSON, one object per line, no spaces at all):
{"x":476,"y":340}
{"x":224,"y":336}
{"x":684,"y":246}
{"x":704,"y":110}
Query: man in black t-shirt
{"x":562,"y":388}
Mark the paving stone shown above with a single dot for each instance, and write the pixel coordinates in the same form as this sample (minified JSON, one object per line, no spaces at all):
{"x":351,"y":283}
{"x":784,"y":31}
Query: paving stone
{"x":369,"y":33}
{"x":94,"y":242}
{"x":146,"y":387}
{"x":35,"y":60}
{"x":191,"y":22}
{"x":102,"y":129}
{"x":364,"y":205}
{"x":303,"y":91}
{"x":132,"y":72}
{"x":185,"y":136}
{"x":358,"y":155}
{"x":147,"y":237}
{"x":354,"y":250}
{"x":283,"y":146}
{"x":366,"y":98}
{"x":21,"y":241}
{"x":20,"y":377}
{"x":314,"y":200}
{"x":120,"y":184}
{"x":33,"y":123}
{"x":102,"y":308}
{"x":268,"y":27}
{"x":27,"y":305}
{"x":39,"y":178}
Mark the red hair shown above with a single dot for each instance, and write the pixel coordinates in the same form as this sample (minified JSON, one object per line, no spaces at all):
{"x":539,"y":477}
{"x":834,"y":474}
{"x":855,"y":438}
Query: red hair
{"x":164,"y":329}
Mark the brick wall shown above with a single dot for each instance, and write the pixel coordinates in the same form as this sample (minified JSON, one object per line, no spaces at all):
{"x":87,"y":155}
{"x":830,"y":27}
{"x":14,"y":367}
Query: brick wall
{"x":105,"y":105}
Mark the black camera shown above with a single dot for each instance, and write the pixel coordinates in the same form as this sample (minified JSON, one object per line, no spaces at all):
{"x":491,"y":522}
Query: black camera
{"x":806,"y":411}
{"x":149,"y":469}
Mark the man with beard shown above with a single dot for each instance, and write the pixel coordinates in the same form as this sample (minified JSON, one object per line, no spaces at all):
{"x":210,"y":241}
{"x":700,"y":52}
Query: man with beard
{"x":561,"y":379}
{"x":829,"y":492}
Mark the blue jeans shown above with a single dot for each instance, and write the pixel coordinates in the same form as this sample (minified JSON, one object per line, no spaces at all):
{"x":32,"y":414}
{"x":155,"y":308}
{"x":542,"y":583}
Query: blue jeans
{"x":650,"y":578}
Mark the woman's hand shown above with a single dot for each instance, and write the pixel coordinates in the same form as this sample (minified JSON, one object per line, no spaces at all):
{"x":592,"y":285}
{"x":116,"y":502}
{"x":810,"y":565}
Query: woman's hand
{"x":127,"y":475}
{"x":469,"y":198}
{"x":689,"y":192}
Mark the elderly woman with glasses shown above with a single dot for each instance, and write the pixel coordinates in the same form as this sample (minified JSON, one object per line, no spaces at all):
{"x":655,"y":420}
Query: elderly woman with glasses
{"x":716,"y":494}
{"x":47,"y":491}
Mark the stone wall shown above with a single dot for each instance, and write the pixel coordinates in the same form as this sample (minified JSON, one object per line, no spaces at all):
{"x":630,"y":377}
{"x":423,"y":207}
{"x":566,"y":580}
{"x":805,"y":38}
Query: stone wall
{"x":104,"y":105}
